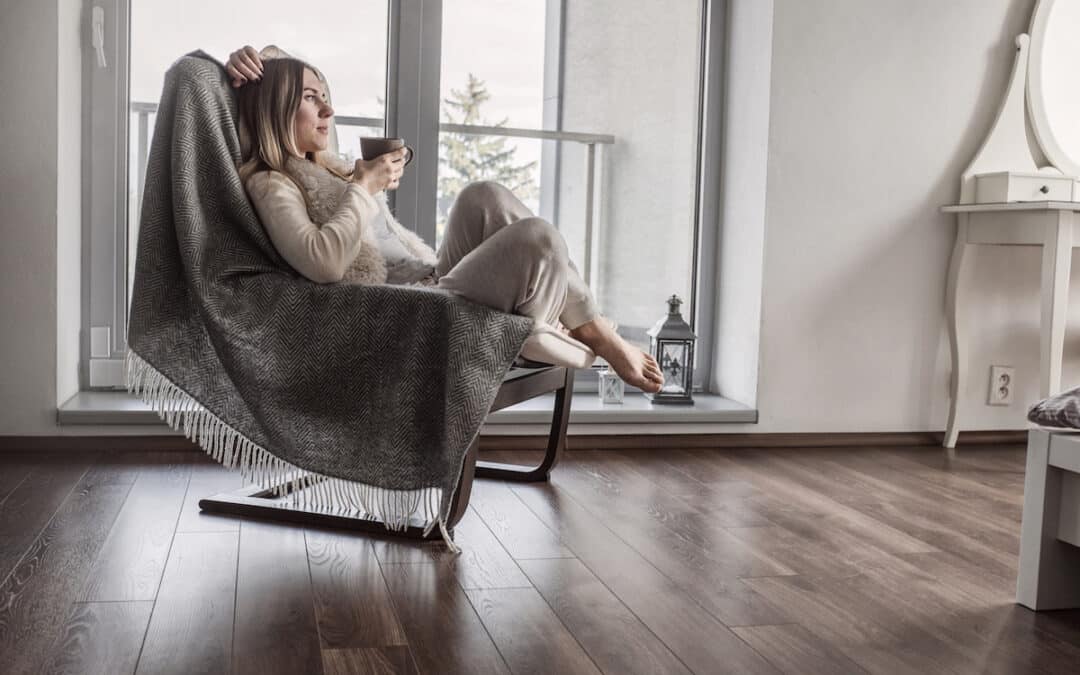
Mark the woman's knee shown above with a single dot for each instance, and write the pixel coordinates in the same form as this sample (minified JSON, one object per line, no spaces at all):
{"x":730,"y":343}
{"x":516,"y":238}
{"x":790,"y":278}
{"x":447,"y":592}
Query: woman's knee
{"x":484,"y":192}
{"x":541,"y":237}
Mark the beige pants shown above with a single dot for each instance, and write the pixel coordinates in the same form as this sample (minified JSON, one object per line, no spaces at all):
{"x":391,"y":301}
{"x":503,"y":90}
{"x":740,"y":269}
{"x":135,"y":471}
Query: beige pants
{"x":497,"y":253}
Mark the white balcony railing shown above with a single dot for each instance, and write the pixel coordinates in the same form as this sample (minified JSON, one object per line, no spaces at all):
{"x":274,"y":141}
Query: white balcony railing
{"x":593,"y":143}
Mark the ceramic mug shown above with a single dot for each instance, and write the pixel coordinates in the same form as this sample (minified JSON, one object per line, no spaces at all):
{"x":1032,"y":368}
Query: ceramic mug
{"x":373,"y":146}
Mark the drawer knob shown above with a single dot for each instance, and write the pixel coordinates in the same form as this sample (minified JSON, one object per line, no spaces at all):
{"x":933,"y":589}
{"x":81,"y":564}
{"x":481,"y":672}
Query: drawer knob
{"x":1044,"y":189}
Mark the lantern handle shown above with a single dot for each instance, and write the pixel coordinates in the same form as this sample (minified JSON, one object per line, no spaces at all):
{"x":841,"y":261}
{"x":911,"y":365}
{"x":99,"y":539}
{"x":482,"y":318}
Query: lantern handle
{"x":673,"y":304}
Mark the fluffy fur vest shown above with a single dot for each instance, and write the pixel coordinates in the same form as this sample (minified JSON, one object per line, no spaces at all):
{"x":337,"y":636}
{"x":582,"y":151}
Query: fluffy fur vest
{"x":324,"y":190}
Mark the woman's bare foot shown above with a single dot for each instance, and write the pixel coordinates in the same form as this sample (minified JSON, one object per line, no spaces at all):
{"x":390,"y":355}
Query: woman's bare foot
{"x":632,"y":365}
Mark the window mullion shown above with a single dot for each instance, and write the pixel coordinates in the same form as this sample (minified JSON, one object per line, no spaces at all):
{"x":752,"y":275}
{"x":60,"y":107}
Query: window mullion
{"x":412,"y":112}
{"x":703,"y":316}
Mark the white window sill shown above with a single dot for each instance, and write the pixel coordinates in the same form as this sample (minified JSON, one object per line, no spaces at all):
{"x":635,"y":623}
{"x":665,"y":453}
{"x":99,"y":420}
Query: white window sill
{"x":120,"y":407}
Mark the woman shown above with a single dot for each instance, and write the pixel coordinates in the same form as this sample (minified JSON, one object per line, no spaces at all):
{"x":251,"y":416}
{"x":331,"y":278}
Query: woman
{"x":330,"y":221}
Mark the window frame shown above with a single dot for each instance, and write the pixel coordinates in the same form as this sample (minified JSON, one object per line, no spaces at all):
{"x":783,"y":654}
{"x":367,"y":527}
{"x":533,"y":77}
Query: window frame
{"x":103,"y":339}
{"x":414,"y":50}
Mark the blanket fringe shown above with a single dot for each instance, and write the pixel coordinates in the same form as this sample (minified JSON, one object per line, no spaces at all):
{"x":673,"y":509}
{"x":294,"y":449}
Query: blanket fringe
{"x":297,"y":487}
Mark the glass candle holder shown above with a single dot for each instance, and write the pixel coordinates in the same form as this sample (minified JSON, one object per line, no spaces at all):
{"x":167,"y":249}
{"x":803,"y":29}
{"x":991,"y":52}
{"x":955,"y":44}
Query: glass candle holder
{"x":611,"y":387}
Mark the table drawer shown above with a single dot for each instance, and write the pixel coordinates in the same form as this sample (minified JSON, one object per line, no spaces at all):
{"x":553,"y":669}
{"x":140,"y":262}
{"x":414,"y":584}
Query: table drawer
{"x":1005,"y":186}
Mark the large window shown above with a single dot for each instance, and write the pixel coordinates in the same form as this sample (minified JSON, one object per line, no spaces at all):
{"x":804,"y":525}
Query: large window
{"x":590,"y":110}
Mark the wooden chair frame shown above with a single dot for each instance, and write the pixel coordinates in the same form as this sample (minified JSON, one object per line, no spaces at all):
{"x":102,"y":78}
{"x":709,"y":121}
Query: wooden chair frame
{"x":520,"y":384}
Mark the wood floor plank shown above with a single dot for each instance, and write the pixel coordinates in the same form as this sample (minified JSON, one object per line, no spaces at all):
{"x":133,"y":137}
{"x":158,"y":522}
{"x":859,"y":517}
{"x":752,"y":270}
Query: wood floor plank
{"x":727,"y":502}
{"x":914,"y":595}
{"x":802,"y":553}
{"x":124,"y":468}
{"x":795,"y":650}
{"x":996,"y":555}
{"x":615,"y":639}
{"x":111,"y":469}
{"x":274,"y":599}
{"x":352,"y":605}
{"x":971,"y":457}
{"x":660,"y":489}
{"x":965,"y":576}
{"x":528,"y":634}
{"x":702,"y":642}
{"x":1062,"y":625}
{"x":483,"y":562}
{"x":847,"y":541}
{"x":850,"y":627}
{"x":191,"y":629}
{"x":953,"y":481}
{"x":513,"y":524}
{"x":100,"y":638}
{"x":702,"y":558}
{"x":208,"y":480}
{"x":889,"y":484}
{"x":944,"y":644}
{"x":31,"y":504}
{"x":16,"y":469}
{"x":806,"y":469}
{"x":444,"y":632}
{"x":617,"y":481}
{"x":777,"y":480}
{"x":368,"y":661}
{"x":131,"y":562}
{"x":36,"y":598}
{"x":1022,"y":648}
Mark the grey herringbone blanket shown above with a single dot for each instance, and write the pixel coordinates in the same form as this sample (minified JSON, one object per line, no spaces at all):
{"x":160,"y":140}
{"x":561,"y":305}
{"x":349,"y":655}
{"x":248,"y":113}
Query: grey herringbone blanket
{"x":363,"y":397}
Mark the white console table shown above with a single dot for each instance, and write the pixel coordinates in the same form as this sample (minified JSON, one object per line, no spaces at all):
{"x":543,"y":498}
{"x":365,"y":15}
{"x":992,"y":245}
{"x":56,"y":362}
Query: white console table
{"x":1052,"y":225}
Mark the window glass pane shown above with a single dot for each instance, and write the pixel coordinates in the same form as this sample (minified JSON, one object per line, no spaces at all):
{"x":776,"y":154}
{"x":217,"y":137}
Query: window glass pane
{"x":346,"y":39}
{"x":629,"y":72}
{"x":492,"y":74}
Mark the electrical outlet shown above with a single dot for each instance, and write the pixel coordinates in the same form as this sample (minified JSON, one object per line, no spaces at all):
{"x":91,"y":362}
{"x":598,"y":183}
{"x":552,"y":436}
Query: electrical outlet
{"x":1002,"y":383}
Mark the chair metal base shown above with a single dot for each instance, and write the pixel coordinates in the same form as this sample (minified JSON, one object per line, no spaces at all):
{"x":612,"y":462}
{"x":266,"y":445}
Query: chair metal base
{"x":256,"y":502}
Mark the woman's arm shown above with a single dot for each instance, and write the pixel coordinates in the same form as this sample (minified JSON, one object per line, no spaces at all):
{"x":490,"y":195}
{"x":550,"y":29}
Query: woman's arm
{"x":320,"y":253}
{"x":245,"y":64}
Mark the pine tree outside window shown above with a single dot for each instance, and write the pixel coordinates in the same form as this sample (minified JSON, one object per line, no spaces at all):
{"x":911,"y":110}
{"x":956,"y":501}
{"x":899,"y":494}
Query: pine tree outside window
{"x":465,"y":158}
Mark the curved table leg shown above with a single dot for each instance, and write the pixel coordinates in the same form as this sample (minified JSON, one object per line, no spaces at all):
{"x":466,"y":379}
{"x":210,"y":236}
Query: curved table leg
{"x":957,"y":332}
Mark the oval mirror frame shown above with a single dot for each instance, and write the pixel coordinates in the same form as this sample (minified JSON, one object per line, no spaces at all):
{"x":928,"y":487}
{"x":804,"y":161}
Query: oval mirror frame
{"x":1040,"y":121}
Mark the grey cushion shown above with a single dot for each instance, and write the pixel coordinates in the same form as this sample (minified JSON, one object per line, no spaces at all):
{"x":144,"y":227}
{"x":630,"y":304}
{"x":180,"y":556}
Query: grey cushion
{"x":1062,"y":410}
{"x":548,"y":345}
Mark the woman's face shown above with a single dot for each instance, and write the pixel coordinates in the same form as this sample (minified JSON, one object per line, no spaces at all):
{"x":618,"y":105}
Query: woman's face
{"x":311,"y":129}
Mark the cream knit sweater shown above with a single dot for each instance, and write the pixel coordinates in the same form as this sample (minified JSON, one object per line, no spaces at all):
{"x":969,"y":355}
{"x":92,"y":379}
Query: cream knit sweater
{"x":336,"y":240}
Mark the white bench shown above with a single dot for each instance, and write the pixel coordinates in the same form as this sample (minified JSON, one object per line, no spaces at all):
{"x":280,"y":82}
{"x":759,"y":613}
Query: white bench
{"x":1049,"y":569}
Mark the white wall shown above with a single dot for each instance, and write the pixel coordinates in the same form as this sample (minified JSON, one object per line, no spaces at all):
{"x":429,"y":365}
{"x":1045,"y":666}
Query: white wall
{"x":876,"y":108}
{"x":28,"y":216}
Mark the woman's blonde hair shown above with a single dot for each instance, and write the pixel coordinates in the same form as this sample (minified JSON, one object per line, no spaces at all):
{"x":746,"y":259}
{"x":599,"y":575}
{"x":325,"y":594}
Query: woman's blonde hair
{"x":267,"y":112}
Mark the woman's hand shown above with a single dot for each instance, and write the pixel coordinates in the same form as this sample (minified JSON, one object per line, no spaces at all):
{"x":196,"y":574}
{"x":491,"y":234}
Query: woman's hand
{"x":244,"y":66}
{"x":382,"y":173}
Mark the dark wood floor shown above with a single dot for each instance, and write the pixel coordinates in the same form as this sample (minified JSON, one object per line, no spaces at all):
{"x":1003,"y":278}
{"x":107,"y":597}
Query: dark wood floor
{"x":667,"y":561}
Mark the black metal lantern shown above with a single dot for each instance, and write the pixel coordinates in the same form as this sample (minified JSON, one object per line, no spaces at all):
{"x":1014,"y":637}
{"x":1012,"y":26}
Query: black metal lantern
{"x":672,"y":345}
